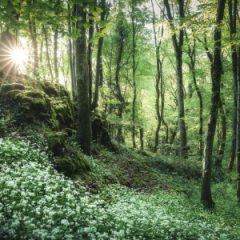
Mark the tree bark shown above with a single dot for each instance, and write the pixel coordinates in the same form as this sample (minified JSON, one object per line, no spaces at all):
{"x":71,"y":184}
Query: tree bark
{"x":73,"y":81}
{"x":99,"y":57}
{"x":48,"y":59}
{"x":55,"y":55}
{"x":90,"y":49}
{"x":192,"y":56}
{"x":84,"y":134}
{"x":133,"y":74}
{"x":218,"y":162}
{"x":238,"y":132}
{"x":159,"y":81}
{"x":141,"y":137}
{"x":178,"y":56}
{"x":56,"y":48}
{"x":232,"y":23}
{"x":33,"y":32}
{"x":206,"y":196}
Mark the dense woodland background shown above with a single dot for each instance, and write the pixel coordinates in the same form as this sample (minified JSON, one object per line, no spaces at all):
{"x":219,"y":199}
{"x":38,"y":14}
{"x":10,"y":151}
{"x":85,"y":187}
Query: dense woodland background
{"x":159,"y":76}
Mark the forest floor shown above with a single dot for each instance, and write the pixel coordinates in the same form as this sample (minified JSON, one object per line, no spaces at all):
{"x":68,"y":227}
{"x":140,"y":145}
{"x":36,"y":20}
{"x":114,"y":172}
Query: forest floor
{"x":130,"y":194}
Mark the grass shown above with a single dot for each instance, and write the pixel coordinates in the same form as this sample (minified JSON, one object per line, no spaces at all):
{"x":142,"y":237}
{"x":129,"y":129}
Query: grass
{"x":37,"y":202}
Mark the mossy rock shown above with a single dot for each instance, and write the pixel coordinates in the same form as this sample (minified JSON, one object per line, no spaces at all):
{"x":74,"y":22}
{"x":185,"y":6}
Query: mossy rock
{"x":56,"y":142}
{"x":64,"y":112}
{"x":70,"y":131}
{"x":64,"y":93}
{"x":35,"y":101}
{"x":15,"y":94}
{"x":49,"y":88}
{"x":12,"y":86}
{"x":72,"y":166}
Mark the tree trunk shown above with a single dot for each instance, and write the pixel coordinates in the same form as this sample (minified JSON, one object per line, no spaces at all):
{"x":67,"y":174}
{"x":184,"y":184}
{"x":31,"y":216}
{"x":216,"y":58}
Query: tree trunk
{"x":48,"y":59}
{"x":90,"y":49}
{"x":232,"y":23}
{"x":99,"y":57}
{"x":218,"y":162}
{"x":141,"y":137}
{"x":206,"y":196}
{"x":84,"y":134}
{"x":33,"y":32}
{"x":238,"y":131}
{"x":159,"y":81}
{"x":55,"y":55}
{"x":56,"y":47}
{"x":71,"y":62}
{"x":178,"y":56}
{"x":134,"y":80}
{"x":192,"y":56}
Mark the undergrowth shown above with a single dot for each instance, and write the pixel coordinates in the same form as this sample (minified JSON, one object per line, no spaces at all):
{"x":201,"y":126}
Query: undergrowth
{"x":37,"y":202}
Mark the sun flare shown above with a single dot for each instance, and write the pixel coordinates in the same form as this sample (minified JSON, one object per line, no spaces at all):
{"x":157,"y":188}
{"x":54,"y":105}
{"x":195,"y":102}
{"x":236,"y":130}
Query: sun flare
{"x":19,"y":56}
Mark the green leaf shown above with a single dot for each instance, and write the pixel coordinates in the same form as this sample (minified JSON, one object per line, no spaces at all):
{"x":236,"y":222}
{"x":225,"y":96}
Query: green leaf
{"x":99,"y":10}
{"x":94,"y":13}
{"x":4,"y":29}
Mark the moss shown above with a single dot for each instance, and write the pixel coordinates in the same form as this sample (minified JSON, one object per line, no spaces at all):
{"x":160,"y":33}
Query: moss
{"x":56,"y":142}
{"x":70,"y":131}
{"x":49,"y":88}
{"x":35,"y":93}
{"x":15,"y":94}
{"x":53,"y":120}
{"x":64,"y":93}
{"x":12,"y":86}
{"x":64,"y":113}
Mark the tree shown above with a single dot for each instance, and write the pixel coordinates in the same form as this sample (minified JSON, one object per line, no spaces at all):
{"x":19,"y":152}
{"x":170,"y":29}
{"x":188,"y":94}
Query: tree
{"x":234,"y":56}
{"x":159,"y":81}
{"x":206,"y":196}
{"x":178,"y":55}
{"x":84,"y":134}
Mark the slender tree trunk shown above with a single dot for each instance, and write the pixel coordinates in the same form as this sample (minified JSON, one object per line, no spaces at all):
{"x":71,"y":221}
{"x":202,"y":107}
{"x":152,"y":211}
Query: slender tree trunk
{"x":178,"y":56}
{"x":84,"y":134}
{"x":134,"y":80}
{"x":90,"y":49}
{"x":206,"y":196}
{"x":55,"y":54}
{"x":118,"y":89}
{"x":141,"y":137}
{"x":159,"y":81}
{"x":56,"y":47}
{"x":232,"y":23}
{"x":218,"y":162}
{"x":192,"y":57}
{"x":99,"y":57}
{"x":33,"y":32}
{"x":166,"y":126}
{"x":119,"y":137}
{"x":48,"y":59}
{"x":238,"y":132}
{"x":70,"y":61}
{"x":41,"y":52}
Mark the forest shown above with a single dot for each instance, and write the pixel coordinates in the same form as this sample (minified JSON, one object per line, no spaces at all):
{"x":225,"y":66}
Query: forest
{"x":120,"y":119}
